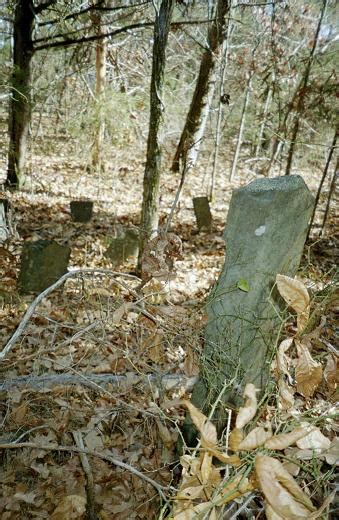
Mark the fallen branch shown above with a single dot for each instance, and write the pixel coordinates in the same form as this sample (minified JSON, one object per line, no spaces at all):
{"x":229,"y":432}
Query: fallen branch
{"x":94,"y":380}
{"x":50,"y":289}
{"x":72,"y":449}
{"x":91,"y":507}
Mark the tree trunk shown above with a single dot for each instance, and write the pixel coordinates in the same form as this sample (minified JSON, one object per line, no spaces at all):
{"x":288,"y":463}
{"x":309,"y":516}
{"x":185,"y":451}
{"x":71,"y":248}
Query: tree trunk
{"x":324,"y":175}
{"x":259,"y":143}
{"x":150,"y":201}
{"x":192,"y":134}
{"x":100,"y":67}
{"x":332,"y":189}
{"x":20,"y":105}
{"x":302,"y":91}
{"x":241,"y":127}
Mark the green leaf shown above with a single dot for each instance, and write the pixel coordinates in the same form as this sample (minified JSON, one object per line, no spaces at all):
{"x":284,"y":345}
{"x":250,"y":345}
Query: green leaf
{"x":243,"y":285}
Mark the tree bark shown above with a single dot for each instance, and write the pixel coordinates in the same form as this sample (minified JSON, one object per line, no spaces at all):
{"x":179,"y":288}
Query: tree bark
{"x":192,"y":134}
{"x":20,"y":105}
{"x":241,"y":127}
{"x":302,"y":91}
{"x":100,"y":67}
{"x":324,"y":175}
{"x":151,"y":183}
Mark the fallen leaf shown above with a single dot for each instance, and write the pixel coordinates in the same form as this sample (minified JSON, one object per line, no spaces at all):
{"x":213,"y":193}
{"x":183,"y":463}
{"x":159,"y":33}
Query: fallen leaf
{"x":314,"y":440}
{"x":205,"y":427}
{"x":286,"y":394}
{"x":281,"y":491}
{"x":247,"y":412}
{"x":296,"y":296}
{"x":284,"y":440}
{"x":308,"y":373}
{"x":283,"y":361}
{"x":235,"y":438}
{"x":332,"y":454}
{"x":331,"y":373}
{"x":255,"y":438}
{"x":71,"y":507}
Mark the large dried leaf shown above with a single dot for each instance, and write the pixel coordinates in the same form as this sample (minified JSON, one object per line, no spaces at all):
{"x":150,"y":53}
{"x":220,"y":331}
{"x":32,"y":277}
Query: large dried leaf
{"x":206,"y":467}
{"x":284,"y":440}
{"x":283,"y":361}
{"x":233,"y":489}
{"x":314,"y":440}
{"x":235,"y":438}
{"x":255,"y":438}
{"x":308,"y":373}
{"x":296,"y":296}
{"x":331,"y":373}
{"x":233,"y":460}
{"x":280,"y":489}
{"x":332,"y":454}
{"x":205,"y":427}
{"x":286,"y":394}
{"x":247,"y":412}
{"x":190,"y":493}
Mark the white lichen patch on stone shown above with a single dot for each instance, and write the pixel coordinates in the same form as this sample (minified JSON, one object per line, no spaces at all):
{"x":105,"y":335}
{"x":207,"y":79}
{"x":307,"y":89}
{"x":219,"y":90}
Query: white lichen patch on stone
{"x":260,"y":231}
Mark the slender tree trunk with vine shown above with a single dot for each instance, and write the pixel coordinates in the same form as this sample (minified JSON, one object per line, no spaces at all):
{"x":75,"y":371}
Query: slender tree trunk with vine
{"x":241,"y":127}
{"x":100,"y":68}
{"x":151,"y":183}
{"x":189,"y":145}
{"x":302,"y":91}
{"x":20,"y":104}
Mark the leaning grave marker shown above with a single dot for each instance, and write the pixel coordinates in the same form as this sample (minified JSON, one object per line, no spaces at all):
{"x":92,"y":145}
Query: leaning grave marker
{"x":42,"y":263}
{"x":265,"y":235}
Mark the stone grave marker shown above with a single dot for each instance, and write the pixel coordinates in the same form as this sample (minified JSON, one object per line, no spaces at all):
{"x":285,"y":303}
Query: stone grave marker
{"x":42,"y":263}
{"x":124,"y":246}
{"x":265,"y":235}
{"x":81,"y":210}
{"x":202,"y":213}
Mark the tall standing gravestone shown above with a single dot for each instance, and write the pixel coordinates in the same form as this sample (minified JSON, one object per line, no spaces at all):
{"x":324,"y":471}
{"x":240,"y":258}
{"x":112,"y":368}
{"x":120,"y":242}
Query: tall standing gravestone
{"x":265,"y":235}
{"x":42,"y":263}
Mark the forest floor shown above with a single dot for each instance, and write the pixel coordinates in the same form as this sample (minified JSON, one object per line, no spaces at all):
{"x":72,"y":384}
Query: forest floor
{"x":62,"y":444}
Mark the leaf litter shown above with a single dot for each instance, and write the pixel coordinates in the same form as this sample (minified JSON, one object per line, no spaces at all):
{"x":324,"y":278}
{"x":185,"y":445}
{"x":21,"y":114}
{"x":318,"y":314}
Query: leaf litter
{"x":94,"y":326}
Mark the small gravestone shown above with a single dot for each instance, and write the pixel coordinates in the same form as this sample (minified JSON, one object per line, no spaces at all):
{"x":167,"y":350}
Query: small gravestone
{"x":42,"y":263}
{"x":81,"y":210}
{"x":123,"y":247}
{"x":202,"y":213}
{"x":265,"y":235}
{"x":4,"y":230}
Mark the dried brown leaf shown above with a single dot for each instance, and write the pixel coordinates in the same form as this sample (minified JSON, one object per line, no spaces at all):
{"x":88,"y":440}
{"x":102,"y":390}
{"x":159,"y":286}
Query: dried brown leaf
{"x":205,"y":427}
{"x":314,"y":440}
{"x":255,"y":438}
{"x":308,"y":373}
{"x":296,"y":296}
{"x":283,"y":361}
{"x":247,"y":412}
{"x":331,"y":372}
{"x":332,"y":454}
{"x":286,"y":394}
{"x":70,"y":507}
{"x":284,"y":440}
{"x":235,"y":438}
{"x":280,"y":489}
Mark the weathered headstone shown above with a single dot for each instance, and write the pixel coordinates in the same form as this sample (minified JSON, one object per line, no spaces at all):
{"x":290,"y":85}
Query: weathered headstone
{"x":42,"y":263}
{"x":202,"y":213}
{"x":124,"y":246}
{"x":81,"y":210}
{"x":265,"y":235}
